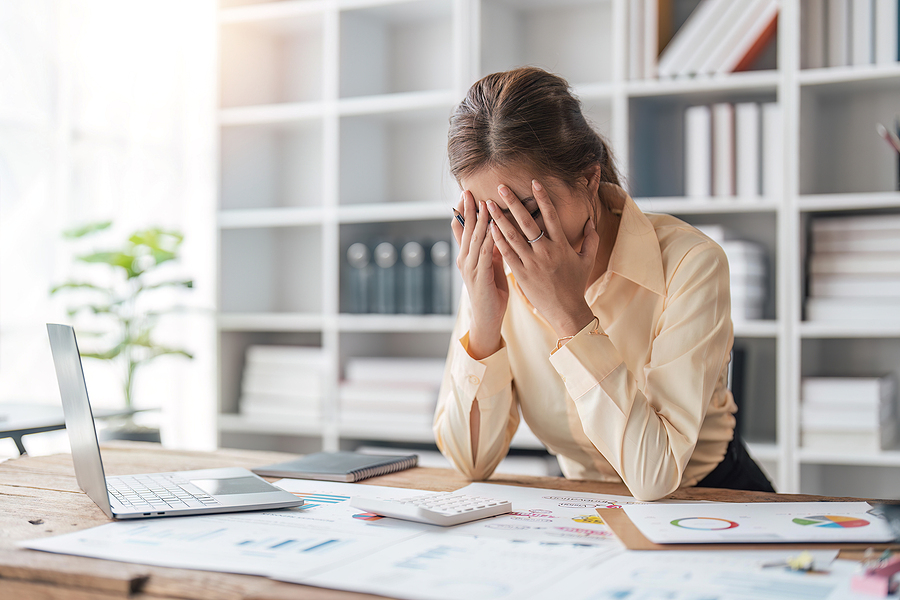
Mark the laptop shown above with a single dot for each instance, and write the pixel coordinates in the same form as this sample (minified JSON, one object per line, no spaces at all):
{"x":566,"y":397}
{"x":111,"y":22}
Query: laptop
{"x":199,"y":492}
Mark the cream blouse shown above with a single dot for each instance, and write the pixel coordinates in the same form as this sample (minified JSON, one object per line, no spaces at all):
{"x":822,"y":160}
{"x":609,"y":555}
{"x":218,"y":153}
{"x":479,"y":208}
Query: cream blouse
{"x":644,"y":402}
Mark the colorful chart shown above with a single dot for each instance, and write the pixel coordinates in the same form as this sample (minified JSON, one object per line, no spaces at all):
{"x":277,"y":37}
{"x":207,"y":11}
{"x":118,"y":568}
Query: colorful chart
{"x":311,"y":500}
{"x":704,"y":523}
{"x":831,"y":521}
{"x":367,"y":517}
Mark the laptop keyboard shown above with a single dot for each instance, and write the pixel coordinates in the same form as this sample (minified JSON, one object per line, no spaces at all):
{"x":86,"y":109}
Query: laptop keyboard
{"x":157,"y":492}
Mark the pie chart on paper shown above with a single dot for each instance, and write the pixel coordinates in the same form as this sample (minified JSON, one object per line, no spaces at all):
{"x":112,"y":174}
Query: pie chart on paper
{"x":831,"y":521}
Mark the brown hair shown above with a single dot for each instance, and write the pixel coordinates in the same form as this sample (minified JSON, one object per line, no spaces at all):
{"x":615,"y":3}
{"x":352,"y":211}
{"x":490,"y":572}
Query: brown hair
{"x":529,"y":117}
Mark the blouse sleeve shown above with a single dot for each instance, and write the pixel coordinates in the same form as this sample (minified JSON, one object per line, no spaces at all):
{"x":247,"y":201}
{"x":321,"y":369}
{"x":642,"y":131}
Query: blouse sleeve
{"x":485,"y":384}
{"x":648,"y":435}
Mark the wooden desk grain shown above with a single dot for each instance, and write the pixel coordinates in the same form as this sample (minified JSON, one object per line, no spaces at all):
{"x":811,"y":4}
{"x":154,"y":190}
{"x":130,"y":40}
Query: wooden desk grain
{"x":39,"y":497}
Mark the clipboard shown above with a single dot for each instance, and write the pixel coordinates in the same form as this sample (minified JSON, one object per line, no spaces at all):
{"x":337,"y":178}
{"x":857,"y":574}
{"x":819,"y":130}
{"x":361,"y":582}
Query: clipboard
{"x":617,"y":520}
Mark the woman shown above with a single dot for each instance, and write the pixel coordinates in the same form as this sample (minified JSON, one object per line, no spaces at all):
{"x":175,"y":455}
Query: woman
{"x":610,"y":329}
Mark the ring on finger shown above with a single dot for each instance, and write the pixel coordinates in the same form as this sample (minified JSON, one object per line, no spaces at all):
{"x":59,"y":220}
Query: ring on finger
{"x":537,"y":238}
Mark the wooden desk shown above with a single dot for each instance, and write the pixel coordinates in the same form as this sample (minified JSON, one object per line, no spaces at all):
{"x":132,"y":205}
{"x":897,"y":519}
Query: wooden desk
{"x":40,"y":497}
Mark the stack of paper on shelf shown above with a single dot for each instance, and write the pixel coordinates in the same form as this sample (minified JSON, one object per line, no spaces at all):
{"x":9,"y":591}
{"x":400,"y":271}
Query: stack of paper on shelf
{"x":840,"y":33}
{"x":748,"y":269}
{"x":283,"y":382}
{"x":391,"y":393}
{"x":720,"y":36}
{"x":854,"y":269}
{"x":733,"y":150}
{"x":857,"y":414}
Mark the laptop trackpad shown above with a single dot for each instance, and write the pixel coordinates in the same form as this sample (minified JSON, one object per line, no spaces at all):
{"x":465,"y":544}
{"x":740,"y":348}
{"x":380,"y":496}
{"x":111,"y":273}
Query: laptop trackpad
{"x":232,"y":485}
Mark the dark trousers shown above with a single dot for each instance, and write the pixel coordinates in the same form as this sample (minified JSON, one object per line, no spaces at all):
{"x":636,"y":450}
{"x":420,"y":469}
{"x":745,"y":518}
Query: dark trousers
{"x":737,"y":471}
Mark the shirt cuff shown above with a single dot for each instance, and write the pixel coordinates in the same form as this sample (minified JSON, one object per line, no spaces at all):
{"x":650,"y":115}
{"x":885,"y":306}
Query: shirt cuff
{"x":585,"y":360}
{"x":480,"y":378}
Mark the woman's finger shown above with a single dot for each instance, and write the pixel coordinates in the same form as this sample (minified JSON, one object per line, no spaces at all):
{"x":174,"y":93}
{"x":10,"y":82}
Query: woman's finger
{"x":480,"y":231}
{"x":522,"y":216}
{"x":552,"y":226}
{"x":513,"y":238}
{"x":509,"y":254}
{"x":468,"y":211}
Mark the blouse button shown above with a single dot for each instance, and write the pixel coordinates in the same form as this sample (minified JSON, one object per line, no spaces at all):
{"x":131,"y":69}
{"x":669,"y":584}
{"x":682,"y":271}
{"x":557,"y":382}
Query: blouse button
{"x":474,"y":380}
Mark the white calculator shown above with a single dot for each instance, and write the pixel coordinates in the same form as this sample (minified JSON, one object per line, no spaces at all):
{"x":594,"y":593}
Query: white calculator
{"x":444,"y":509}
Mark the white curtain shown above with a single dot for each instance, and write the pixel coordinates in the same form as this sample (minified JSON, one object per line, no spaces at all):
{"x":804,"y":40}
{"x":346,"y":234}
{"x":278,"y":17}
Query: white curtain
{"x":107,"y":112}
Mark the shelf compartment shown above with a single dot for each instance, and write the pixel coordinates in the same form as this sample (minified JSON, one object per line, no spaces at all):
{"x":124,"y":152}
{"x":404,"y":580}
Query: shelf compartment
{"x":841,"y":202}
{"x":270,"y":166}
{"x":271,"y":270}
{"x":850,"y":357}
{"x":271,"y":60}
{"x":657,"y":134}
{"x":424,"y":344}
{"x":396,"y":158}
{"x":232,"y":352}
{"x":755,"y":391}
{"x":848,"y":480}
{"x":840,"y":150}
{"x":396,"y":47}
{"x":354,"y":281}
{"x":529,"y":33}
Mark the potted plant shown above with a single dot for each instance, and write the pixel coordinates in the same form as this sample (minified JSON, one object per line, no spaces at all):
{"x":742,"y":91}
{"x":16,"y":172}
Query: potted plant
{"x":123,"y":298}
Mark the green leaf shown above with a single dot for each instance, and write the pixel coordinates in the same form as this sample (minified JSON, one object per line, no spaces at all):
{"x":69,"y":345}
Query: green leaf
{"x":108,"y":355}
{"x":122,"y":260}
{"x":87,"y":229}
{"x":186,"y":283}
{"x":71,"y":285}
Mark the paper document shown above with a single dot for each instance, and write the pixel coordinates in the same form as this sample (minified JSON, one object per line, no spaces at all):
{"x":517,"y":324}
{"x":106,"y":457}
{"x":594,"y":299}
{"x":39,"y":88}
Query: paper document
{"x":544,"y":515}
{"x":443,"y":566}
{"x":768,"y":522}
{"x":325,"y":531}
{"x":705,"y":575}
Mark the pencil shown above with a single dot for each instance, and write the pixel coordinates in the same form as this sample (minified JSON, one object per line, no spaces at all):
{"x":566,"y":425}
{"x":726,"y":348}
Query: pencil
{"x":459,"y":217}
{"x":889,"y":136}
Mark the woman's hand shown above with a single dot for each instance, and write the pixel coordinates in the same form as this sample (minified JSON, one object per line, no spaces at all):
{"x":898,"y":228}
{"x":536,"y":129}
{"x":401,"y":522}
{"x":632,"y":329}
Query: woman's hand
{"x":481,"y":266}
{"x":550,"y":272}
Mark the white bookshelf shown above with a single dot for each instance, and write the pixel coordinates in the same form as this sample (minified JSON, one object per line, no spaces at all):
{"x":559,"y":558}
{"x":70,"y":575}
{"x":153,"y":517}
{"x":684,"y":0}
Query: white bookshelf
{"x":333,"y":120}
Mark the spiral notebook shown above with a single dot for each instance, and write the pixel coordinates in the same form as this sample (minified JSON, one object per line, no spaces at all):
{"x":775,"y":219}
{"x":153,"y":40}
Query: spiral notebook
{"x":338,"y":466}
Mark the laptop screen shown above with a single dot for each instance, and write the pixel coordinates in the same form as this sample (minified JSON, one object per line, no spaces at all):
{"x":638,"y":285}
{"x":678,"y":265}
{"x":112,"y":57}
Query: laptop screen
{"x":79,"y":418}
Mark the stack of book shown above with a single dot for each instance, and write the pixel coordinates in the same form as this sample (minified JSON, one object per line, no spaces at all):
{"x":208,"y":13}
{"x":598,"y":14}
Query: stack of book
{"x":283,"y":382}
{"x":720,"y":36}
{"x":749,"y":272}
{"x":840,"y":33}
{"x":723,"y":151}
{"x":856,"y":414}
{"x":854,"y":269}
{"x":390,"y":393}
